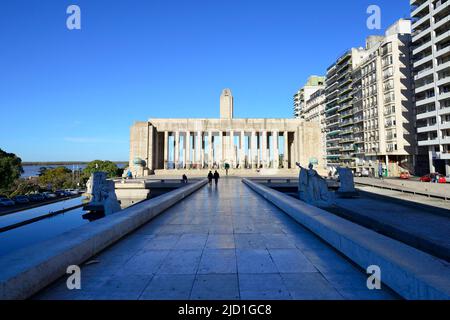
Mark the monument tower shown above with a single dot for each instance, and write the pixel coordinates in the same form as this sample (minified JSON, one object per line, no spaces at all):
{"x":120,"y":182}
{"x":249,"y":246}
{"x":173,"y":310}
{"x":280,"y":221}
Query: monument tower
{"x":226,"y":104}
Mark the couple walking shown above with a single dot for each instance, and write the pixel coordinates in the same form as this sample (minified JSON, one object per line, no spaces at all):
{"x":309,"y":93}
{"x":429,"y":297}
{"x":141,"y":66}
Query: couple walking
{"x":214,"y":176}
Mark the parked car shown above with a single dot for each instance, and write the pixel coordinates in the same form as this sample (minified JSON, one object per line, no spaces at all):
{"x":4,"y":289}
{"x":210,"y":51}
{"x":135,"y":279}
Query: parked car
{"x":6,"y":202}
{"x":405,"y":176}
{"x":49,"y":195}
{"x":62,"y":193}
{"x":365,"y":173}
{"x":21,"y":199}
{"x":73,"y":192}
{"x":433,"y":177}
{"x":36,"y":197}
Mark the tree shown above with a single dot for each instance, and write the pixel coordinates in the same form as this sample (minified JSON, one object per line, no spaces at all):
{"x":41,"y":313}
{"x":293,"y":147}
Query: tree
{"x":101,"y":166}
{"x":10,"y":169}
{"x":57,"y":178}
{"x":42,"y":171}
{"x":24,"y":186}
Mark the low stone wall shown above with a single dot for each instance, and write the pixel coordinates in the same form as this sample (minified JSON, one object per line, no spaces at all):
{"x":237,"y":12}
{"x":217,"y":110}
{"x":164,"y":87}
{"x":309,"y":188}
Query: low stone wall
{"x":411,"y":273}
{"x":27,"y":271}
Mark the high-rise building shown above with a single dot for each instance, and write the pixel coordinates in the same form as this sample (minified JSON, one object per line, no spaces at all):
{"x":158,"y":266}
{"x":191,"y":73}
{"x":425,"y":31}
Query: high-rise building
{"x":431,"y":62}
{"x":339,"y":109}
{"x":369,"y":114}
{"x":304,"y":93}
{"x":383,"y":114}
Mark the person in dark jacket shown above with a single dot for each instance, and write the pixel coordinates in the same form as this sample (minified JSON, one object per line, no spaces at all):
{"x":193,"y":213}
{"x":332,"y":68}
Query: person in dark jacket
{"x":210,"y":177}
{"x":216,"y":177}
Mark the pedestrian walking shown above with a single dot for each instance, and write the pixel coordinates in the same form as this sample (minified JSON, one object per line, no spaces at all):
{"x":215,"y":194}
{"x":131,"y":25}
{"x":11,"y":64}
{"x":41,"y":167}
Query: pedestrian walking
{"x":216,"y":178}
{"x":185,"y":178}
{"x":210,"y":177}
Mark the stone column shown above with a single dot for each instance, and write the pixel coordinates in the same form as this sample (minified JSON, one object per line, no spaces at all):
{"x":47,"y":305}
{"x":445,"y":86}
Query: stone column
{"x":166,"y":150}
{"x":177,"y":149}
{"x":258,"y":149}
{"x":253,"y":147}
{"x":431,"y":159}
{"x":264,"y":149}
{"x":188,"y":150}
{"x":210,"y":150}
{"x":198,"y":148}
{"x":231,"y":150}
{"x":221,"y":153}
{"x":242,"y":151}
{"x":286,"y":151}
{"x":276,"y":155}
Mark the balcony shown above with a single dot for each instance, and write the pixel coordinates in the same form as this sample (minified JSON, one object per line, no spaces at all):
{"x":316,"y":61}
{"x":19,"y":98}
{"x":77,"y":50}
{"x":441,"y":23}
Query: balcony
{"x":419,"y":22}
{"x":423,"y":60}
{"x":427,"y":129}
{"x":423,"y":73}
{"x":444,"y":95}
{"x":443,"y":51}
{"x":441,"y":7}
{"x":422,"y":47}
{"x":426,"y":115}
{"x":419,"y":34}
{"x":441,"y":22}
{"x":424,"y":87}
{"x":445,"y":125}
{"x":443,"y":36}
{"x":421,"y":7}
{"x":427,"y":143}
{"x":443,"y":111}
{"x":425,"y":101}
{"x":444,"y":80}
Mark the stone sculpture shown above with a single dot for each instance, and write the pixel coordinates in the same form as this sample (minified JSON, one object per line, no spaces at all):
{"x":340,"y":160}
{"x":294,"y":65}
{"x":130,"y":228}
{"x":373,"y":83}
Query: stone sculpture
{"x":347,"y":183}
{"x":313,"y":189}
{"x":101,"y":194}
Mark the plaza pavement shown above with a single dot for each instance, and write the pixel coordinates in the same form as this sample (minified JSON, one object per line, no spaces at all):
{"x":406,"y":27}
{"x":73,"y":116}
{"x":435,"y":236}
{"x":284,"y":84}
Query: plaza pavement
{"x":224,"y":243}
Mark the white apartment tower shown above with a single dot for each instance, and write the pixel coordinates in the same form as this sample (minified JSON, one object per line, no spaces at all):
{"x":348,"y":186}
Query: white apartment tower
{"x":369,"y":110}
{"x":384,"y":113}
{"x":431,"y":63}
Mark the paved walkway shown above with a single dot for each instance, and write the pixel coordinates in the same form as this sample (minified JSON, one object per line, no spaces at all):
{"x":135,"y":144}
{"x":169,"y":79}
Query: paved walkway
{"x":225,"y":243}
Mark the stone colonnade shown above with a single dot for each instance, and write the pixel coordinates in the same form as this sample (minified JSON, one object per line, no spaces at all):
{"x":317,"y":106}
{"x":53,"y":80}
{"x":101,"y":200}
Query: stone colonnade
{"x":239,"y":149}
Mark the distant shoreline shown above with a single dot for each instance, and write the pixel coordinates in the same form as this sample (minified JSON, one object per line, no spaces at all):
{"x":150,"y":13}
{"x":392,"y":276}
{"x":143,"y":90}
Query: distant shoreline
{"x":62,"y":163}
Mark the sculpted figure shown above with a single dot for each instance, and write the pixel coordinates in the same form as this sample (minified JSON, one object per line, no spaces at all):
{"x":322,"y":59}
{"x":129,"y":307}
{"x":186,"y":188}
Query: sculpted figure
{"x":101,"y":193}
{"x":313,"y":189}
{"x":347,"y":188}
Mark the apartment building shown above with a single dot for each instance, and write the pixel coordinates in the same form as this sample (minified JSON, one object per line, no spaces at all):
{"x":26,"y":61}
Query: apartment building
{"x":383,"y":114}
{"x":339,"y":109}
{"x":304,"y":94}
{"x":369,"y":113}
{"x":314,"y":111}
{"x":431,"y":63}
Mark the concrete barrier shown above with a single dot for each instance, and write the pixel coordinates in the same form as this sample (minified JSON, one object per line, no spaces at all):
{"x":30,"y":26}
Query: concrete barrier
{"x":411,"y":273}
{"x":27,"y":271}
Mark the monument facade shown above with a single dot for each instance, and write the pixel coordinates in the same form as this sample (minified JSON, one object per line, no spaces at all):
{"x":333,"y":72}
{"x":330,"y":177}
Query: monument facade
{"x":246,"y":144}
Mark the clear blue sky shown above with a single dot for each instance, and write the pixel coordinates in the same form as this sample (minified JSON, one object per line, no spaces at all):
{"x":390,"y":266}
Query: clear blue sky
{"x":72,"y":95}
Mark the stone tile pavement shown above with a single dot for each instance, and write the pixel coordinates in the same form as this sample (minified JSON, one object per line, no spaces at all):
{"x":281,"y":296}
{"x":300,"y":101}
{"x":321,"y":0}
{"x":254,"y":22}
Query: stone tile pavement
{"x":220,"y":243}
